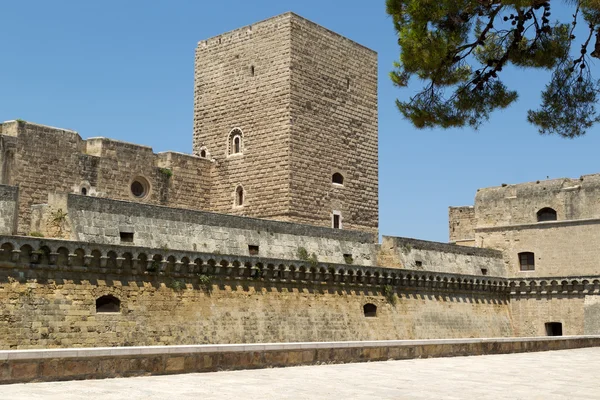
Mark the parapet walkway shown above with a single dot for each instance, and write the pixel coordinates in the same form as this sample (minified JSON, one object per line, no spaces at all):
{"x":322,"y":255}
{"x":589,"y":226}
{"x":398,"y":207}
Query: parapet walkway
{"x":565,"y":374}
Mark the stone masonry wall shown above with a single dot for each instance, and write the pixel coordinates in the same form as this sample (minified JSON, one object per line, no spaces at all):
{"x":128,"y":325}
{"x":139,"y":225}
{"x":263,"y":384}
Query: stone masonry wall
{"x":306,"y":101}
{"x":242,"y":80}
{"x":48,"y":292}
{"x":431,"y":256}
{"x":518,"y":204}
{"x":567,"y":248}
{"x":41,"y":159}
{"x":102,"y":220}
{"x":334,"y":112}
{"x":462,"y":225}
{"x":8,"y":209}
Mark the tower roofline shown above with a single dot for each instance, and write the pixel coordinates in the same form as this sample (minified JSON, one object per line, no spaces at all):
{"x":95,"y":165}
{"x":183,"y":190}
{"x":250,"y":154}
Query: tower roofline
{"x":282,"y":16}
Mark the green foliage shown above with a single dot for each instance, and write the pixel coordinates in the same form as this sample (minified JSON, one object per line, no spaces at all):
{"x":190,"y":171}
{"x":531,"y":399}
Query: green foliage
{"x":348,"y":259}
{"x":166,"y":171}
{"x":21,"y":121}
{"x":302,"y":255}
{"x":457,"y":49}
{"x":388,"y":293}
{"x":36,"y":234}
{"x":58,"y":219}
{"x":205,"y":280}
{"x":154,"y":266}
{"x":177,"y":285}
{"x":406,"y":248}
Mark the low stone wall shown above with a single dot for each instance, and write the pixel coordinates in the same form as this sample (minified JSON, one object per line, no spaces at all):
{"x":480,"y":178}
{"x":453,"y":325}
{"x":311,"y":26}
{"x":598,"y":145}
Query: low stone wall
{"x":8,"y":209}
{"x":71,"y":364}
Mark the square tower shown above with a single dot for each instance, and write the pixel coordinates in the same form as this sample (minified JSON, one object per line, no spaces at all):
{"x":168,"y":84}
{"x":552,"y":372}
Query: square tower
{"x":288,"y":112}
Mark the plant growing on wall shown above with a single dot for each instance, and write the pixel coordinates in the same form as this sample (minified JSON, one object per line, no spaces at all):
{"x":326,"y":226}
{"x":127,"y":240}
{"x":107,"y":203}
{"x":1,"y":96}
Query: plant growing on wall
{"x":166,"y":171}
{"x":177,"y":285}
{"x":388,"y":293}
{"x":58,"y":220}
{"x":302,"y":255}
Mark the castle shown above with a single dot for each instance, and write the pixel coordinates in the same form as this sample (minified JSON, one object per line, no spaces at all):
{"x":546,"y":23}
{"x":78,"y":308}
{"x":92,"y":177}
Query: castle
{"x":268,"y":232}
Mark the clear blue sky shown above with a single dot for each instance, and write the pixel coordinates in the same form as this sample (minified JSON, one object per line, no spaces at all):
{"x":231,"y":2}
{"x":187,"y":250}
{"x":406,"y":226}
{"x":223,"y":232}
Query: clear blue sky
{"x":124,"y":69}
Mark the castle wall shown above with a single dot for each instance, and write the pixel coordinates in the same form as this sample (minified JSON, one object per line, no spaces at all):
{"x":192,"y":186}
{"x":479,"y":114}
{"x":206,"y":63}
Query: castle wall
{"x":530,"y":314}
{"x":41,"y":159}
{"x":334,"y":111}
{"x":572,"y":199}
{"x":101,"y":221}
{"x":561,"y":248}
{"x":48,"y":290}
{"x":431,"y":256}
{"x":8,"y":209}
{"x":462,"y":225}
{"x":242,"y":80}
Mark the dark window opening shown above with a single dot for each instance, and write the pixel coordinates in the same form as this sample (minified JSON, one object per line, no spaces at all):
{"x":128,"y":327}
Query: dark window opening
{"x":239,"y":196}
{"x":348,"y":259}
{"x":527,"y":261}
{"x":347,"y":83}
{"x":252,"y":70}
{"x":337,"y":178}
{"x":253,"y":250}
{"x":138,"y":189}
{"x":126,"y":237}
{"x":108,"y":304}
{"x":484,"y":271}
{"x":419,"y":263}
{"x":84,"y":191}
{"x":236,"y":145}
{"x":370,"y":310}
{"x":336,"y":221}
{"x":554,"y":329}
{"x":546,"y":214}
{"x":203,"y":153}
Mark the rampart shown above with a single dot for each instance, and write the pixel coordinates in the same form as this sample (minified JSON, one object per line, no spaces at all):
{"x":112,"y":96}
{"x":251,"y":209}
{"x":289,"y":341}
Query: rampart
{"x":108,"y":221}
{"x":440,"y":257}
{"x":49,"y":289}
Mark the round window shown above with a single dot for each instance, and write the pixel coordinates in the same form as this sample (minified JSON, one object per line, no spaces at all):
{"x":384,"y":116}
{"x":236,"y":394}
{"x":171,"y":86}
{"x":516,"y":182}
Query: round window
{"x":139,"y":187}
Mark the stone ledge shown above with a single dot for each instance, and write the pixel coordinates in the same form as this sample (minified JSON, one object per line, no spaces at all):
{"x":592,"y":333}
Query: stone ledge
{"x":97,"y":363}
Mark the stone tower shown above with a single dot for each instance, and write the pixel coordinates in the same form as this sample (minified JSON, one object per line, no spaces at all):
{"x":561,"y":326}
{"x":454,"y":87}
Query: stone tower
{"x":287,"y":110}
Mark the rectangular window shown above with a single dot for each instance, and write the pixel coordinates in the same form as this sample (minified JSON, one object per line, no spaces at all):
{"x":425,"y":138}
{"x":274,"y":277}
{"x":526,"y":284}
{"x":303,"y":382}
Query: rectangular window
{"x":126,"y":237}
{"x":419,"y":263}
{"x":527,"y":261}
{"x":484,"y":271}
{"x":337,"y":222}
{"x":554,"y":329}
{"x":253,"y":250}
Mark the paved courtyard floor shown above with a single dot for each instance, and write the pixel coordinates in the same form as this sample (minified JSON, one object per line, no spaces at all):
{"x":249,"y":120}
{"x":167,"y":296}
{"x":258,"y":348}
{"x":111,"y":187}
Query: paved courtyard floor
{"x":567,"y":374}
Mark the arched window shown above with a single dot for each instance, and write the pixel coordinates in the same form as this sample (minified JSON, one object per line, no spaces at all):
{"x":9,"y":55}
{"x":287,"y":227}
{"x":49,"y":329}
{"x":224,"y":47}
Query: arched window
{"x":546,"y":214}
{"x":84,"y":191}
{"x":337,"y":178}
{"x":239,"y":196}
{"x":370,"y":310}
{"x":527,"y":261}
{"x":236,"y":142}
{"x":108,"y":304}
{"x":203,"y":153}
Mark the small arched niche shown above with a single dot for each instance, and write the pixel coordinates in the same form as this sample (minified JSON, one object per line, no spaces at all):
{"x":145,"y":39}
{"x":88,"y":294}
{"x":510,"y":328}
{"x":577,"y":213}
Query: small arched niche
{"x":239,"y":196}
{"x":370,"y":310}
{"x":546,"y":214}
{"x":108,"y":304}
{"x":337,"y":178}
